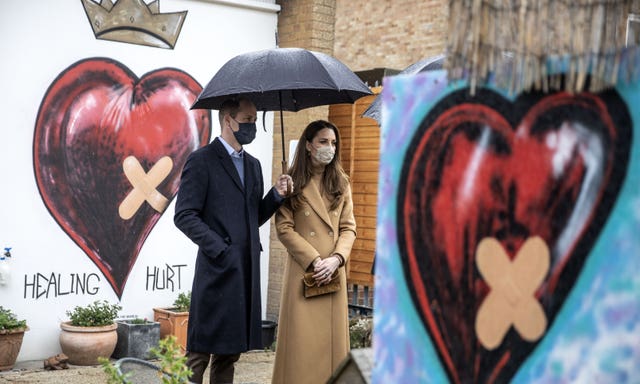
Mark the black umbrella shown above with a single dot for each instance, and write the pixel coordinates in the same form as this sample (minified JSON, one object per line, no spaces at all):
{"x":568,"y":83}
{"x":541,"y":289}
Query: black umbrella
{"x":428,"y":64}
{"x":284,"y":79}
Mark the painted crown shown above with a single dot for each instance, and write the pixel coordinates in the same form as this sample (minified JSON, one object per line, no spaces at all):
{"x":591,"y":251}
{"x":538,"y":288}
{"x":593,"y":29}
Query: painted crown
{"x":133,"y":21}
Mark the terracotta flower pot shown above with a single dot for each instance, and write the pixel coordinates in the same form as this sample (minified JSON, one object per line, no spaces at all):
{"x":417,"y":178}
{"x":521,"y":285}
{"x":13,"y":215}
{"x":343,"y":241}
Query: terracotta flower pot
{"x":172,"y":323}
{"x":83,"y":345}
{"x":10,"y":343}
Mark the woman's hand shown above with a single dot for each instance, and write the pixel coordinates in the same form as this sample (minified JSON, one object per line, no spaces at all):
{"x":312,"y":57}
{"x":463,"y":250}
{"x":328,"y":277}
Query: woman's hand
{"x":324,"y":269}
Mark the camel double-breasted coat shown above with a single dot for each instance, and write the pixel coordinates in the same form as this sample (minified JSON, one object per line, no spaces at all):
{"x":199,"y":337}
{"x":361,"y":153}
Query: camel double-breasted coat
{"x":313,"y":333}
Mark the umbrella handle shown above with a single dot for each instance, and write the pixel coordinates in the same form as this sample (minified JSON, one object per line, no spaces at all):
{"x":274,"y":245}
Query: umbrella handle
{"x":285,"y":166}
{"x":284,"y":172}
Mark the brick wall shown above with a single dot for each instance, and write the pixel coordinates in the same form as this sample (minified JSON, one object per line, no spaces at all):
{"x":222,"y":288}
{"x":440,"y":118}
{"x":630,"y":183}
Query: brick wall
{"x":389,"y":34}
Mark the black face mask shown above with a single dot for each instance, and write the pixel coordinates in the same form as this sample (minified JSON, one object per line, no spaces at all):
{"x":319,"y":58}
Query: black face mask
{"x":246,"y":133}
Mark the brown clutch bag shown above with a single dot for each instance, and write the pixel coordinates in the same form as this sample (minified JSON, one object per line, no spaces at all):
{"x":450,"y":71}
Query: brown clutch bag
{"x":310,"y":289}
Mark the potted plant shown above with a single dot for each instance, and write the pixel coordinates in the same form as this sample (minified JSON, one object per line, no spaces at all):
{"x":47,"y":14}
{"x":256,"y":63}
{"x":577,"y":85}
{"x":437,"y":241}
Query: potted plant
{"x":11,"y":333}
{"x":269,"y":334}
{"x":174,"y":320}
{"x":136,"y":338}
{"x":360,"y":332}
{"x":90,"y":333}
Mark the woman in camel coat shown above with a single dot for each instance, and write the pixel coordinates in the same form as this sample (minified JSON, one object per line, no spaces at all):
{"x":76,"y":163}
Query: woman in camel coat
{"x":317,"y":227}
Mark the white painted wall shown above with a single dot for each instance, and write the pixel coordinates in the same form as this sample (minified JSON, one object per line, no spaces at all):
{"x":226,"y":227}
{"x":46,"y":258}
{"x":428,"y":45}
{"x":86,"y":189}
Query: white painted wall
{"x":39,"y":40}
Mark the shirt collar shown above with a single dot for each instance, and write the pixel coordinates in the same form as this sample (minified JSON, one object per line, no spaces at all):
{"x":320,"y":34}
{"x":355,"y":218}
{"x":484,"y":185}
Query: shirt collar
{"x":230,"y":150}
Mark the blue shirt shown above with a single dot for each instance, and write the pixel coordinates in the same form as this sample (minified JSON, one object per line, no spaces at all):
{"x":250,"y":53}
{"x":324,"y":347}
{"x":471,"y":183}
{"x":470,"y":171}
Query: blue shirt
{"x":238,"y":161}
{"x":236,"y":157}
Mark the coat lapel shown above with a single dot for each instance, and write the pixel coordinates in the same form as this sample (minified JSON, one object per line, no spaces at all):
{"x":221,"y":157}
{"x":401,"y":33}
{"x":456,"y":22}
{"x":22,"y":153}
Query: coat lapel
{"x":312,"y":194}
{"x":227,"y":163}
{"x":249,"y":175}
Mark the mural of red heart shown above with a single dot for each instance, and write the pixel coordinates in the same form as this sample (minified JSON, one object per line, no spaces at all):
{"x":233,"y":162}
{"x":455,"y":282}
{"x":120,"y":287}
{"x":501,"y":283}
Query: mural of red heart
{"x":95,"y":114}
{"x":547,"y":165}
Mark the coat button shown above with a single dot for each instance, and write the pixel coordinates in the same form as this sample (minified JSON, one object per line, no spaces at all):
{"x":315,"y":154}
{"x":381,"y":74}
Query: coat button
{"x":306,"y":213}
{"x":330,"y":233}
{"x":335,"y":213}
{"x":312,"y":233}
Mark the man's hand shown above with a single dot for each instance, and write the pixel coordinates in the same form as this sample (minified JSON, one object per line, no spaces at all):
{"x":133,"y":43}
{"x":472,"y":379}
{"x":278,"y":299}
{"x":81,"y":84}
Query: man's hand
{"x":283,"y":182}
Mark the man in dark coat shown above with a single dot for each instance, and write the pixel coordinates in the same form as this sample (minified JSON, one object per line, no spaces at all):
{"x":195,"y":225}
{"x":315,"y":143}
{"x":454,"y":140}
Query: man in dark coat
{"x":220,"y":206}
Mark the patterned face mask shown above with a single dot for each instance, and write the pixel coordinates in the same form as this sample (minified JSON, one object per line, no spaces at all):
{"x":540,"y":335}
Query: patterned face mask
{"x":325,"y":154}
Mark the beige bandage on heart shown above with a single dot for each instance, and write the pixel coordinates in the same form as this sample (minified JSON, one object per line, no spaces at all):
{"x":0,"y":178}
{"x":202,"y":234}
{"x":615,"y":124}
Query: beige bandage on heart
{"x":144,"y":186}
{"x":511,"y":300}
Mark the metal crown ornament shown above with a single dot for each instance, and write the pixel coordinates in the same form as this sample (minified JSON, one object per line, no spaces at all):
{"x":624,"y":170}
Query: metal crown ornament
{"x":133,"y":21}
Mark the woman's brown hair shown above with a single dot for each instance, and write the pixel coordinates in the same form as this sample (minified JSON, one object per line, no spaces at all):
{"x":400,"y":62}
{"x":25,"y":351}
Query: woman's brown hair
{"x":334,"y":179}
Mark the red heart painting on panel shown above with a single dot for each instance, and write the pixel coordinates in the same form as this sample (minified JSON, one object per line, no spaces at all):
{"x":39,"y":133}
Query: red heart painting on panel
{"x":95,"y":114}
{"x":547,"y":165}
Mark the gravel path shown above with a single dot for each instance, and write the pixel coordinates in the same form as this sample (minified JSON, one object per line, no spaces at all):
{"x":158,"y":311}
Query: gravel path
{"x":253,"y":368}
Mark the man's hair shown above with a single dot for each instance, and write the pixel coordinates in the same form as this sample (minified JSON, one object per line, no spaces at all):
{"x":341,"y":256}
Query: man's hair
{"x":231,"y":107}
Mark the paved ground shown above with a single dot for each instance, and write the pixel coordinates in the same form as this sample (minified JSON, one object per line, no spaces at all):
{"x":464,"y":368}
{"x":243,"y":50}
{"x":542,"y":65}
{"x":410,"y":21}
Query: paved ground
{"x":253,"y":368}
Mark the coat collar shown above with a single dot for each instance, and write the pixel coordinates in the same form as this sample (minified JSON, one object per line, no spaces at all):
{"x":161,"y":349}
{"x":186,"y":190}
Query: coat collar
{"x":312,"y":194}
{"x":227,"y":163}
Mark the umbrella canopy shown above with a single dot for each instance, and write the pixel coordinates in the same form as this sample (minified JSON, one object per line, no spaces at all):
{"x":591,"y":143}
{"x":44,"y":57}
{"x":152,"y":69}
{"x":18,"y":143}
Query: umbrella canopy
{"x":428,"y":64}
{"x":285,"y":79}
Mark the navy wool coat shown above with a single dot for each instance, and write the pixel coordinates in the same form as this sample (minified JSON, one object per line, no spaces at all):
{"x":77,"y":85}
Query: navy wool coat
{"x":222,"y":217}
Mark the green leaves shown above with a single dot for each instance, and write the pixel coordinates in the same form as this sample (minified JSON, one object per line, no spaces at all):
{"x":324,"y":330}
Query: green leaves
{"x":172,"y":361}
{"x":360,"y":332}
{"x":183,"y":302}
{"x":138,"y":320}
{"x":113,"y":375}
{"x":9,"y":321}
{"x":98,"y":314}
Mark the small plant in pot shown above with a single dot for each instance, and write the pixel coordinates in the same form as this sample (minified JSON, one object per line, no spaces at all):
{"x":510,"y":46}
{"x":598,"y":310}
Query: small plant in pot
{"x":90,"y":333}
{"x":136,"y":338}
{"x":360,"y":332}
{"x":183,"y":302}
{"x":175,"y":320}
{"x":12,"y":332}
